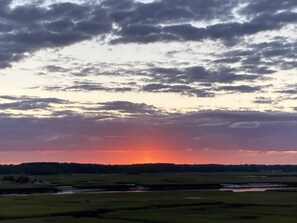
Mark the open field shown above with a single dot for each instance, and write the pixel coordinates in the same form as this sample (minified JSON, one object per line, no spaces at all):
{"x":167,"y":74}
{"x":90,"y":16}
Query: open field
{"x":210,"y":206}
{"x":168,"y":178}
{"x":155,"y":180}
{"x":155,"y":206}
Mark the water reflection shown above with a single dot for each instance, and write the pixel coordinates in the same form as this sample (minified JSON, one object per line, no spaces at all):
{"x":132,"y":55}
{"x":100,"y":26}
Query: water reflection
{"x":253,"y":187}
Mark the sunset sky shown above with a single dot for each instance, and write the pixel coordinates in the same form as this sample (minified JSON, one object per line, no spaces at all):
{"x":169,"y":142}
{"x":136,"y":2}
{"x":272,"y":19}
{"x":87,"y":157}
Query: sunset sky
{"x":144,"y":81}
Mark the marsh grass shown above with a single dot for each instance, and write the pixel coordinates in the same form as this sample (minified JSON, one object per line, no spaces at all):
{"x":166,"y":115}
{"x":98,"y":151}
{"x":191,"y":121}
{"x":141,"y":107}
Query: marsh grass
{"x":153,"y":207}
{"x":173,"y":207}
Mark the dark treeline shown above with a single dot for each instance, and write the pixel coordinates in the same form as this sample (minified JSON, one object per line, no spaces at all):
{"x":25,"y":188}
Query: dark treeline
{"x":74,"y":168}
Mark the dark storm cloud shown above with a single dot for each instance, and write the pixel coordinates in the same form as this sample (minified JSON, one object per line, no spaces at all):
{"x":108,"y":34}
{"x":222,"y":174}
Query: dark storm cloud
{"x":208,"y":129}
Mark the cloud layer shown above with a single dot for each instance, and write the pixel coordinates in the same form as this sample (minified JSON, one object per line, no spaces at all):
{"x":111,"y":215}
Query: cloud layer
{"x":32,"y":26}
{"x":116,"y":75}
{"x":218,"y":130}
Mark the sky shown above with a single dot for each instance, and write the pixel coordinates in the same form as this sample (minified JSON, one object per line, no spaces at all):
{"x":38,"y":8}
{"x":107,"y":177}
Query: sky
{"x":150,"y":81}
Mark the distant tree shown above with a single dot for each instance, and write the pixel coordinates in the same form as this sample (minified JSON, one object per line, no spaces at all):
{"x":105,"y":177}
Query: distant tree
{"x":8,"y":178}
{"x":74,"y":168}
{"x":23,"y":180}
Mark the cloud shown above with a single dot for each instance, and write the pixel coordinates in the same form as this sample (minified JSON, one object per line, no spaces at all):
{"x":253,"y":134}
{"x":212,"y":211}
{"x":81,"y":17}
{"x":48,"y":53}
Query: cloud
{"x":224,"y":130}
{"x":128,"y":107}
{"x":290,"y":89}
{"x":89,"y":86}
{"x":187,"y":32}
{"x":198,"y":81}
{"x":245,"y":125}
{"x":192,"y":81}
{"x":198,"y":74}
{"x":248,"y":44}
{"x":56,"y":69}
{"x":29,"y":103}
{"x":29,"y":27}
{"x":240,"y":88}
{"x":59,"y":107}
{"x":264,"y":100}
{"x":263,"y":58}
{"x":169,"y":11}
{"x":155,"y":25}
{"x":267,"y":6}
{"x":181,"y":89}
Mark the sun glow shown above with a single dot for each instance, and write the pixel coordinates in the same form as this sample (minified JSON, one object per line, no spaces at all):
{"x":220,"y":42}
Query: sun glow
{"x":151,"y":155}
{"x":148,"y":156}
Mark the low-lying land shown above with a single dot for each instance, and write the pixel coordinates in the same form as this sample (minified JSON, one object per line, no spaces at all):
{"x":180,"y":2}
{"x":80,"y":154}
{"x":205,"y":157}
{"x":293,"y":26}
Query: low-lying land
{"x":167,"y":197}
{"x":141,"y":182}
{"x":171,"y":207}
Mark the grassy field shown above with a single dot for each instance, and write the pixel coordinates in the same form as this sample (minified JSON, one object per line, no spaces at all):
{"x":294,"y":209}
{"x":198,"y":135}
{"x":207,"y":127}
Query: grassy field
{"x":207,"y":206}
{"x":89,"y":180}
{"x":168,"y":178}
{"x":171,"y":207}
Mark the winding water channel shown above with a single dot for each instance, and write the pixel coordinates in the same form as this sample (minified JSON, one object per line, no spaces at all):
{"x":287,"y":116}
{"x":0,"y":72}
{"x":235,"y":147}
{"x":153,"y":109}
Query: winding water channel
{"x":236,"y":188}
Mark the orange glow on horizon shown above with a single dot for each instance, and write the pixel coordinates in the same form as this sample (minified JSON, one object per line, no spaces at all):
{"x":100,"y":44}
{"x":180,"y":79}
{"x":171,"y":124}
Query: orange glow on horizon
{"x":141,"y":150}
{"x":151,"y":155}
